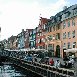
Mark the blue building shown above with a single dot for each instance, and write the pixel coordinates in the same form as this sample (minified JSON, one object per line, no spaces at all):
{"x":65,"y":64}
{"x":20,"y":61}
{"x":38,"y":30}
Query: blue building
{"x":21,"y":40}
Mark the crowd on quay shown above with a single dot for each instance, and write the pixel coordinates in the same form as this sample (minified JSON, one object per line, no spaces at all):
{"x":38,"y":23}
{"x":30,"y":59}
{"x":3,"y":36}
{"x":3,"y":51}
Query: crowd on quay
{"x":45,"y":60}
{"x":57,"y":63}
{"x":65,"y":64}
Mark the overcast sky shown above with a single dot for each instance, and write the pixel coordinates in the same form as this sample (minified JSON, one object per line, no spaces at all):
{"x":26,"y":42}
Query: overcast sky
{"x":16,"y":15}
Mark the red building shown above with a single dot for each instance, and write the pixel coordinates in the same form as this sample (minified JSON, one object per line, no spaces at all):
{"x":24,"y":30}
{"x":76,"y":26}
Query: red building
{"x":40,"y":37}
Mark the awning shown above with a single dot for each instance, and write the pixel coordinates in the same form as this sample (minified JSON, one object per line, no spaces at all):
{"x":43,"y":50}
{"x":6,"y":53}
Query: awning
{"x":37,"y":50}
{"x":73,"y":50}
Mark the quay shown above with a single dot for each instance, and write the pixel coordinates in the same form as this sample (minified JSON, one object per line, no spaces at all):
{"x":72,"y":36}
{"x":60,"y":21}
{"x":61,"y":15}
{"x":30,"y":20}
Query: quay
{"x":36,"y":68}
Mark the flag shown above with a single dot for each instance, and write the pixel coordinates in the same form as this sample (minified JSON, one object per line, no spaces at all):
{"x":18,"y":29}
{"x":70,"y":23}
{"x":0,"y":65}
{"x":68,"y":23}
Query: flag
{"x":0,"y":29}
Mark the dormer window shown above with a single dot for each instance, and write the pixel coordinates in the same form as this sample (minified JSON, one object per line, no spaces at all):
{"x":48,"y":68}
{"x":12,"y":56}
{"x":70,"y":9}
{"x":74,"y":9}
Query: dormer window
{"x":75,"y":11}
{"x":67,"y":14}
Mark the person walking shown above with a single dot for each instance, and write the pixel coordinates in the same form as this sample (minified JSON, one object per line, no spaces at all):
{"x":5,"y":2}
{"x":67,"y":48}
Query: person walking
{"x":57,"y":64}
{"x":51,"y":62}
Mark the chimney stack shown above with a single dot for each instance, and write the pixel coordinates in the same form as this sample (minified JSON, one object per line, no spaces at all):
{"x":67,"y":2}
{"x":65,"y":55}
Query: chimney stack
{"x":65,"y":7}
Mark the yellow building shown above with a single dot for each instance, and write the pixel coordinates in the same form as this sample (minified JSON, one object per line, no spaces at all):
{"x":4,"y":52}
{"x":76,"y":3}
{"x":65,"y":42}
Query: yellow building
{"x":61,"y":31}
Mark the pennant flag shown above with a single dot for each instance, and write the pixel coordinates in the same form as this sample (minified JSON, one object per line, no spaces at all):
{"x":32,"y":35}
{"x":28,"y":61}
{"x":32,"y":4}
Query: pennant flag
{"x":0,"y":29}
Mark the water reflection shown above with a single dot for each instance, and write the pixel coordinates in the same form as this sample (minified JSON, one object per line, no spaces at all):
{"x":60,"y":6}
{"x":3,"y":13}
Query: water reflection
{"x":10,"y":71}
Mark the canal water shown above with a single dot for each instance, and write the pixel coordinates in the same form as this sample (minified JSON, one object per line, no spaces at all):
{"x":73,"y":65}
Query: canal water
{"x":11,"y":71}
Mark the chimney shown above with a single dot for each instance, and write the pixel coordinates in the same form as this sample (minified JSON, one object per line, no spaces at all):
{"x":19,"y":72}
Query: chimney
{"x":22,"y":30}
{"x":65,"y":7}
{"x":51,"y":17}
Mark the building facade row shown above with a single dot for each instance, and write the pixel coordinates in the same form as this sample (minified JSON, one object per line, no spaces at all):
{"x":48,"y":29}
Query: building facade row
{"x":55,"y":34}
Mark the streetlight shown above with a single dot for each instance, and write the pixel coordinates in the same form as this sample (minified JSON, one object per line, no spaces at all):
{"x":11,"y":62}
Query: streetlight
{"x":0,"y":33}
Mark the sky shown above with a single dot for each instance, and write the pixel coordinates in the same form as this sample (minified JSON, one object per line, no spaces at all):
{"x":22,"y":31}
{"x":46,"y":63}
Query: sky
{"x":16,"y":15}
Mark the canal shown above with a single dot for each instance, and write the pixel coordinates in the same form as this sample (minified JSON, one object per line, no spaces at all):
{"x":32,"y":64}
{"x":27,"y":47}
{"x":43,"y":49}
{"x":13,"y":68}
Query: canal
{"x":9,"y":70}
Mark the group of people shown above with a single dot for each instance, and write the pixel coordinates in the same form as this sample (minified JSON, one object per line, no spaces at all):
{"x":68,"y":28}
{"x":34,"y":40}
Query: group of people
{"x":57,"y":63}
{"x":70,"y":62}
{"x":66,"y":64}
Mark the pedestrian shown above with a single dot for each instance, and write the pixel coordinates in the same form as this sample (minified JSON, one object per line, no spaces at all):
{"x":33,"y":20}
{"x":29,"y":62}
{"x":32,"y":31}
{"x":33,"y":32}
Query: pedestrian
{"x":72,"y":61}
{"x":65,"y":64}
{"x":73,"y":57}
{"x":51,"y":62}
{"x":57,"y":64}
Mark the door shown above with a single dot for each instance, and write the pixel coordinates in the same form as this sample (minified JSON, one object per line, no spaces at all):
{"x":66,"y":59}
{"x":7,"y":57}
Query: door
{"x":57,"y":51}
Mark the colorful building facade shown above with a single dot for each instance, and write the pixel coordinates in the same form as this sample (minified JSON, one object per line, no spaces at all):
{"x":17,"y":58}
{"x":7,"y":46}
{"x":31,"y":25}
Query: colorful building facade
{"x":21,"y":40}
{"x":40,"y":42}
{"x":55,"y":34}
{"x":27,"y":38}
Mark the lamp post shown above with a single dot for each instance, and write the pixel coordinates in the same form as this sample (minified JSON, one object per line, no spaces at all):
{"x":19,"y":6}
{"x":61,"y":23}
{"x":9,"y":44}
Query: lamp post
{"x":0,"y":33}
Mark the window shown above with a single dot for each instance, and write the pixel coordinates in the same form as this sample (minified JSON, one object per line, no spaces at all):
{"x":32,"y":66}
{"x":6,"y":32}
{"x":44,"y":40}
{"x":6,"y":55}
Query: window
{"x":50,"y":47}
{"x":38,"y":40}
{"x":57,"y":27}
{"x":75,"y":11}
{"x":30,"y":33}
{"x":33,"y":36}
{"x":50,"y":37}
{"x":48,"y":29}
{"x":67,"y":14}
{"x":68,"y":23}
{"x":64,"y":35}
{"x":74,"y":44}
{"x":64,"y":24}
{"x":68,"y":34}
{"x":73,"y":34}
{"x":57,"y":36}
{"x":34,"y":31}
{"x":73,"y":22}
{"x":43,"y":39}
{"x":69,"y":45}
{"x":64,"y":45}
{"x":40,"y":34}
{"x":53,"y":28}
{"x":34,"y":42}
{"x":44,"y":26}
